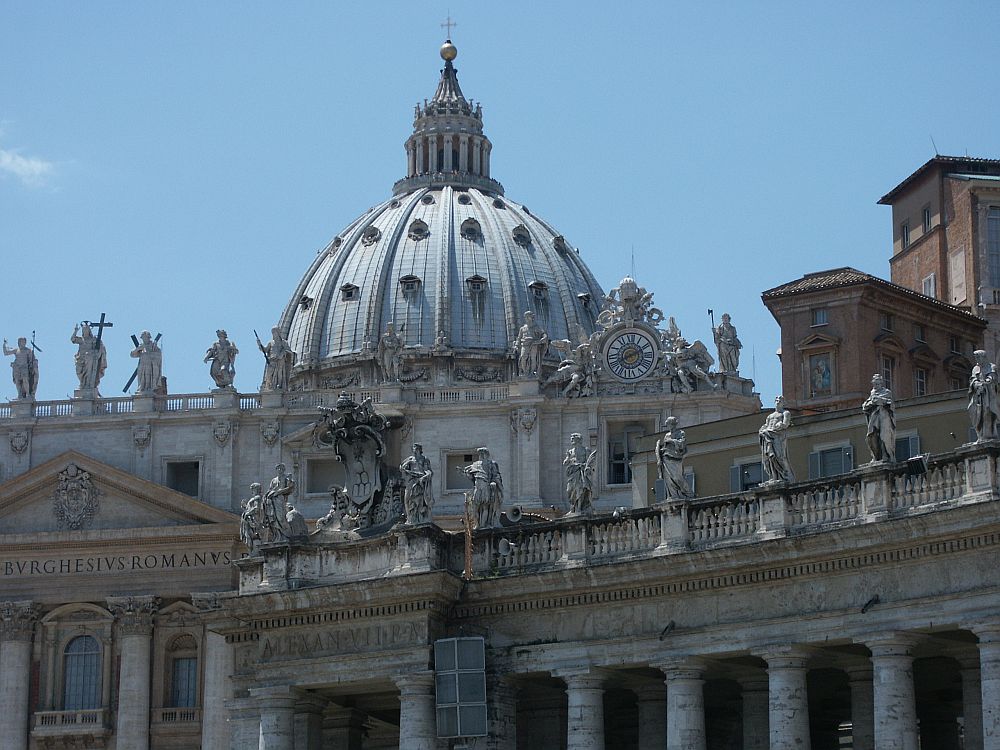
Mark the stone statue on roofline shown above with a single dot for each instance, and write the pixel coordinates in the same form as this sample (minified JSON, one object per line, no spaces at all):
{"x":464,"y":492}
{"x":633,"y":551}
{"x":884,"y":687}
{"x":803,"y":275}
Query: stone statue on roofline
{"x":530,"y":346}
{"x":881,"y":416}
{"x":149,"y":373}
{"x":774,"y":444}
{"x":278,"y":362}
{"x":222,"y":355}
{"x":275,"y":505}
{"x":728,"y":345}
{"x":24,"y":368}
{"x":389,"y":355}
{"x":984,"y":398}
{"x":252,"y":518}
{"x":670,"y":451}
{"x":487,"y":490}
{"x":579,"y":465}
{"x":418,"y":496}
{"x":91,"y":357}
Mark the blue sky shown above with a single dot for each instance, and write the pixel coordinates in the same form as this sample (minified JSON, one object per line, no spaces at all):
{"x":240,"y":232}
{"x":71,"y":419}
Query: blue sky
{"x":178,"y":165}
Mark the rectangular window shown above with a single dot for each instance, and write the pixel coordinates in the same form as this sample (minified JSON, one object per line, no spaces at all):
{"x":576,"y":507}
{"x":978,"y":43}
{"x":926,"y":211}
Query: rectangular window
{"x":956,"y":344}
{"x":904,"y":234}
{"x":184,"y":476}
{"x":322,"y":473}
{"x":831,"y":462}
{"x":927,"y":219}
{"x":929,"y":285}
{"x":887,"y":366}
{"x":621,"y":447}
{"x":746,"y":475}
{"x":454,"y":479}
{"x":460,"y":687}
{"x":920,"y":333}
{"x":920,"y":382}
{"x":819,"y":316}
{"x":184,"y":682}
{"x":956,"y":385}
{"x":907,"y":447}
{"x":993,"y":244}
{"x":885,"y":321}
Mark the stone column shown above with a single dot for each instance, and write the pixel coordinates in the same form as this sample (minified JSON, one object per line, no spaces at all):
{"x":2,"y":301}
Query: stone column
{"x":218,"y":668}
{"x":487,"y":148}
{"x":652,"y":703}
{"x":17,"y":623}
{"x":685,"y":704}
{"x":788,"y":701}
{"x":895,"y":702}
{"x":417,"y":725}
{"x":501,"y":713}
{"x":411,"y":159}
{"x":244,"y":724}
{"x":862,"y":707}
{"x":419,"y":145}
{"x":277,"y":713}
{"x":585,"y":711}
{"x":344,"y":728}
{"x":448,"y":147}
{"x":477,"y":147}
{"x":308,"y":722}
{"x":989,"y":678}
{"x":972,"y":703}
{"x":463,"y":153}
{"x":755,"y":702}
{"x":134,"y":615}
{"x":432,"y":154}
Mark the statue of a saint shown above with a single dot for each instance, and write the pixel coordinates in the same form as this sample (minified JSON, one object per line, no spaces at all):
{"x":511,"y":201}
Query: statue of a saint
{"x":275,"y":519}
{"x":670,"y":452}
{"x":340,"y":504}
{"x":252,"y":517}
{"x":881,"y":416}
{"x":984,"y":409}
{"x":579,"y":466}
{"x":298,"y":529}
{"x":222,"y":355}
{"x":390,"y":354}
{"x":24,"y":368}
{"x":530,"y":346}
{"x":774,"y":444}
{"x":487,"y":491}
{"x":91,"y":358}
{"x":150,"y":370}
{"x":728,"y":345}
{"x":418,"y":496}
{"x":279,"y":360}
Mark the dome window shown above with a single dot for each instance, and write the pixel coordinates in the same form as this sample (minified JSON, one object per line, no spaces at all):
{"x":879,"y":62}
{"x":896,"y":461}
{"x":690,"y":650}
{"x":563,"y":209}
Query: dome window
{"x":471,"y":230}
{"x":410,"y":284}
{"x":427,"y":200}
{"x":371,"y":236}
{"x":394,"y":204}
{"x":418,"y":231}
{"x":497,"y":203}
{"x":521,"y":235}
{"x":337,"y":242}
{"x":349,"y":292}
{"x":539,"y":289}
{"x":584,"y":298}
{"x":559,"y":244}
{"x":306,"y":302}
{"x":464,"y":199}
{"x":477,"y":284}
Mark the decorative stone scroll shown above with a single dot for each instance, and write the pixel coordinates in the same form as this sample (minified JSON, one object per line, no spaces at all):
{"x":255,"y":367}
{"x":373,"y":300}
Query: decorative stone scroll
{"x":134,"y":613}
{"x":17,"y":620}
{"x":76,"y":499}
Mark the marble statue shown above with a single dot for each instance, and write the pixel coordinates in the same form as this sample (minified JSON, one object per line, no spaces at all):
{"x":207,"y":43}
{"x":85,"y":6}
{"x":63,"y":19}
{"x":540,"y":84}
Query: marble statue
{"x":418,"y":497}
{"x":150,"y":370}
{"x":774,"y":444}
{"x":276,"y":505}
{"x":252,"y":517}
{"x":984,"y":404}
{"x":530,"y":345}
{"x":441,"y":342}
{"x":487,"y":491}
{"x":688,"y":363}
{"x":728,"y":345}
{"x":629,"y":303}
{"x":390,"y":354}
{"x":670,"y":451}
{"x":577,"y":370}
{"x":579,"y":466}
{"x":340,"y":504}
{"x":881,"y":416}
{"x":296,"y":525}
{"x":91,"y":358}
{"x":278,"y":362}
{"x":669,"y":336}
{"x":24,"y":368}
{"x":222,"y":355}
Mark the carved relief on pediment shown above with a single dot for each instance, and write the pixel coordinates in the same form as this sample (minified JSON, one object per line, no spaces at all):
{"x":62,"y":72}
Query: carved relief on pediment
{"x":76,"y":499}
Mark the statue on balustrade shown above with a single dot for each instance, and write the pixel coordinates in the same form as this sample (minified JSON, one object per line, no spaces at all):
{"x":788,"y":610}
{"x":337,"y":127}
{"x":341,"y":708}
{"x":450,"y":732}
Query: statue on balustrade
{"x":340,"y":506}
{"x":577,"y":371}
{"x":91,"y":357}
{"x":24,"y":368}
{"x":222,"y":355}
{"x":149,"y":373}
{"x":298,"y":530}
{"x":530,"y":346}
{"x":389,"y":355}
{"x":276,"y":501}
{"x":279,"y":359}
{"x":252,"y":518}
{"x":487,"y":491}
{"x":881,"y":415}
{"x":686,"y":364}
{"x":670,"y":451}
{"x":728,"y":345}
{"x":418,"y":496}
{"x":579,"y":465}
{"x":774,"y":444}
{"x":984,"y":409}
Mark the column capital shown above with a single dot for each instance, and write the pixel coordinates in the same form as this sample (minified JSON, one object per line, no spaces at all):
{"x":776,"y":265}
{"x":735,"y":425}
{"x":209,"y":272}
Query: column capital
{"x":580,"y":680}
{"x":682,"y":668}
{"x":415,"y":683}
{"x":17,"y":620}
{"x":134,"y":614}
{"x":785,"y":655}
{"x":898,"y":643}
{"x":861,"y":672}
{"x":276,"y":696}
{"x":987,"y":630}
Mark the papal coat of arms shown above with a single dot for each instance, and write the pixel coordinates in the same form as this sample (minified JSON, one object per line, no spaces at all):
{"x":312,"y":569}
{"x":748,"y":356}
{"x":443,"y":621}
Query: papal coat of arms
{"x":75,"y":501}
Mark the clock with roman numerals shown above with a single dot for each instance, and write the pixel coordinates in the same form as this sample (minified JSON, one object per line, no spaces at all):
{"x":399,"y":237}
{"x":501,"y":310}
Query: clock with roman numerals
{"x":630,"y":354}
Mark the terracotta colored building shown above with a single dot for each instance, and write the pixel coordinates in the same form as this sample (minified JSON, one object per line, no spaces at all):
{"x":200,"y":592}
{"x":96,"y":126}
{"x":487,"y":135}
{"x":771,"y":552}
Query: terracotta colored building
{"x":841,"y":326}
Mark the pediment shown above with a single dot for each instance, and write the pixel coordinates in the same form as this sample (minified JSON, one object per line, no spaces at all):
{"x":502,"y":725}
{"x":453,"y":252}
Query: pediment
{"x":76,"y":493}
{"x":891,"y":339}
{"x":817,"y":341}
{"x":923,"y":352}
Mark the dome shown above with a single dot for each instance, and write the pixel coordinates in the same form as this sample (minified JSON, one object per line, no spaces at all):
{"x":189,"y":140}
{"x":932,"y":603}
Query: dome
{"x":449,"y":259}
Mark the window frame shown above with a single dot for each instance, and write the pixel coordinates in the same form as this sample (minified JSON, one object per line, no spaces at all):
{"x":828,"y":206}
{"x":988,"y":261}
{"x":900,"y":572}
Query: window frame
{"x":96,"y":683}
{"x":904,"y":234}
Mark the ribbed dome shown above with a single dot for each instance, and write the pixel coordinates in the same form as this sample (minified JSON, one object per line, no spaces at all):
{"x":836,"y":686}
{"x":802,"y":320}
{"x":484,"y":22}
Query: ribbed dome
{"x":457,"y":261}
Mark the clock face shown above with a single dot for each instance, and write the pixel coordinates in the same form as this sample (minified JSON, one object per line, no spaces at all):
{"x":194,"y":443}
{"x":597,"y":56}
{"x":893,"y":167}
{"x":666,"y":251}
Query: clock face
{"x":630,"y":355}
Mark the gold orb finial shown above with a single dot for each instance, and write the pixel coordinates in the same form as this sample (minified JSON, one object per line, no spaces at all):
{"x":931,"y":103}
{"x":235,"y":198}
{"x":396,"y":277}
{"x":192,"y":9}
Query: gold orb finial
{"x":448,"y":51}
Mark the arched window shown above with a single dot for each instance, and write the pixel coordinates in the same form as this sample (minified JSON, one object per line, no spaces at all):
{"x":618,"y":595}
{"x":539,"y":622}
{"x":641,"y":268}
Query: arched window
{"x":183,"y":654}
{"x":82,"y":674}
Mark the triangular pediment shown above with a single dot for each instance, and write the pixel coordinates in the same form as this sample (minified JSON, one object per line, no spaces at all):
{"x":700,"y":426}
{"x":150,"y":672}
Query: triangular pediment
{"x":817,"y":341}
{"x":74,"y":492}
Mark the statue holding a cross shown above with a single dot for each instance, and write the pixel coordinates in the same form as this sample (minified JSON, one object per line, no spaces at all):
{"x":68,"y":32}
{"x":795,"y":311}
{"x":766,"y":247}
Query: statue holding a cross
{"x":91,"y":357}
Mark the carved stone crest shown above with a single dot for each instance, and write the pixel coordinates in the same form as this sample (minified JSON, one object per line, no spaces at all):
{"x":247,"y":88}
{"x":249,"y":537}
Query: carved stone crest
{"x":270,"y":432}
{"x":221,"y":431}
{"x":19,"y":441}
{"x":528,"y":418}
{"x":76,"y":500}
{"x":141,"y":435}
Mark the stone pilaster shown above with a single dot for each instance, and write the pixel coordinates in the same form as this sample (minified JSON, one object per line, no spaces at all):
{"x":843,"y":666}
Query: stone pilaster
{"x":417,"y":726}
{"x":501,"y":713}
{"x":972,"y":703}
{"x":755,"y":709}
{"x":685,"y":704}
{"x":894,"y":698}
{"x":585,"y":711}
{"x":651,"y":700}
{"x":989,"y":678}
{"x":17,"y":624}
{"x":788,"y":704}
{"x":277,"y":714}
{"x":862,"y":707}
{"x":344,"y":728}
{"x":308,"y":722}
{"x":244,"y":724}
{"x":134,"y":617}
{"x":218,"y":659}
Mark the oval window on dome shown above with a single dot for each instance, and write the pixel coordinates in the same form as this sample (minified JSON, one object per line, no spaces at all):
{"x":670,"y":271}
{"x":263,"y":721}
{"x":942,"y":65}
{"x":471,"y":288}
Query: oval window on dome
{"x":471,"y":230}
{"x":464,"y":199}
{"x":521,"y":235}
{"x":497,"y":203}
{"x":371,"y":236}
{"x":418,"y":231}
{"x":427,"y":200}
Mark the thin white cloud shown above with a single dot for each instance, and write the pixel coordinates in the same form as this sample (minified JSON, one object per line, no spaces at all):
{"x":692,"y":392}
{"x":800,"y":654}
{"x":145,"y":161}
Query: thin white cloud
{"x":30,"y":171}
